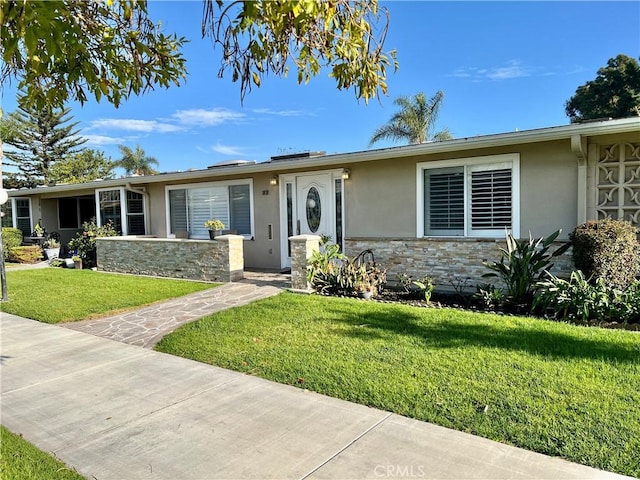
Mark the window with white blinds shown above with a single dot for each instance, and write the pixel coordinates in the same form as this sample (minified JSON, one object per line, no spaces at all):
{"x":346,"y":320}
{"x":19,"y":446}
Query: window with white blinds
{"x":191,"y":206}
{"x":491,"y":199}
{"x":444,"y":201}
{"x":473,"y":198}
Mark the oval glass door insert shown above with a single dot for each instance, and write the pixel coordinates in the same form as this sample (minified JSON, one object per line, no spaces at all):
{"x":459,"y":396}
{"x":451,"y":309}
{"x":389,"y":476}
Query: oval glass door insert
{"x":314,"y":210}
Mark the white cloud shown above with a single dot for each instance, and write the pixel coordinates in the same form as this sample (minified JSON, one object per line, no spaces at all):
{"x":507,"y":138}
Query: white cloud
{"x":99,"y":140}
{"x":202,"y":117}
{"x":282,"y":113}
{"x":223,"y":149}
{"x":513,"y":69}
{"x":130,"y":124}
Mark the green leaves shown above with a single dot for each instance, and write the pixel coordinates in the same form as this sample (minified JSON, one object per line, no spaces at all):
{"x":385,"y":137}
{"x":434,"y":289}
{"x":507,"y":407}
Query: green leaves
{"x":258,"y":37}
{"x":122,"y":51}
{"x":615,"y":92}
{"x":523,"y":264}
{"x":415,"y":120}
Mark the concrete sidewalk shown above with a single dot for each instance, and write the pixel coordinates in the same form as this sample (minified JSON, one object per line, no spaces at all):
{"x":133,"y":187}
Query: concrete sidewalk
{"x":116,"y":411}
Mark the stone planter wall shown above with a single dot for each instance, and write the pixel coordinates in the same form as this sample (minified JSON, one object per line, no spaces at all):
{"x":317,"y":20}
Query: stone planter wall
{"x":448,"y":261}
{"x":221,"y":260}
{"x":302,"y":246}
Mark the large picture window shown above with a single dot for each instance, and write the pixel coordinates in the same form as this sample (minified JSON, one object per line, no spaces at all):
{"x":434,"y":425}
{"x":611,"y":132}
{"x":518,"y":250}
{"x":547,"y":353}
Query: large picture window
{"x":189,"y":206}
{"x":473,"y":197}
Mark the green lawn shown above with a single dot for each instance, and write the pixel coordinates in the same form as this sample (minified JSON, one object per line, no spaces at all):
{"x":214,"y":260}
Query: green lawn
{"x":19,"y":460}
{"x":550,"y":387}
{"x":54,"y":295}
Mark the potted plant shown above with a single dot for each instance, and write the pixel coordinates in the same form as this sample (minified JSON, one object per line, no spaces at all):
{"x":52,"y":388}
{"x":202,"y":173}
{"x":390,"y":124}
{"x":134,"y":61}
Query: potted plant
{"x":39,"y":229}
{"x":364,"y":289}
{"x":77,"y":261}
{"x":215,"y":227}
{"x":52,"y":248}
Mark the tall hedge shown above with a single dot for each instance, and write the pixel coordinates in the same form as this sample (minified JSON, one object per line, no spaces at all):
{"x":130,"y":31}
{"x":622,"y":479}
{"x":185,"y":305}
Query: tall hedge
{"x":607,"y":249}
{"x":11,"y":238}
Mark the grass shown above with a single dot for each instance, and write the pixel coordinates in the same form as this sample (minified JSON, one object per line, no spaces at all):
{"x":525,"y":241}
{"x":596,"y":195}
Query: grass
{"x":550,"y":387}
{"x":55,"y":295}
{"x":19,"y":460}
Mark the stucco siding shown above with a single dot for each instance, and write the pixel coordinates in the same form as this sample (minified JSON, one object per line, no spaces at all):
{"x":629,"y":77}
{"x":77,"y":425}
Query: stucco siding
{"x":381,"y":196}
{"x":548,"y":189}
{"x":157,"y":220}
{"x":380,"y":199}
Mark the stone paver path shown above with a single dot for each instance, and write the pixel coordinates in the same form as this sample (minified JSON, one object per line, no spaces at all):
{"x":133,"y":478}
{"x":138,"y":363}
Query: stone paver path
{"x":146,"y":326}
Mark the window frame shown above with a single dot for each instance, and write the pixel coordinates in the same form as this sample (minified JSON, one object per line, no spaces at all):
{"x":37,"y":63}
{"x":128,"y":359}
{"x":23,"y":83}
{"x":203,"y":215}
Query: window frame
{"x":469,"y":164}
{"x":123,"y":207}
{"x":14,"y":213}
{"x":222,"y":183}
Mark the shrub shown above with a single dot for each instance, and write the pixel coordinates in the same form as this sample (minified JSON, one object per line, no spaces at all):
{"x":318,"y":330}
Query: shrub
{"x":490,"y":297}
{"x":577,"y":299}
{"x":422,"y":287}
{"x":11,"y":238}
{"x":607,"y":249}
{"x":523,"y":264}
{"x":331,"y":272}
{"x":27,"y":254}
{"x":323,"y":268}
{"x":85,"y":243}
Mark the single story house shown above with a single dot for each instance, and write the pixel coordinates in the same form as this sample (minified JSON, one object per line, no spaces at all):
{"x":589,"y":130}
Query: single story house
{"x":433,"y":208}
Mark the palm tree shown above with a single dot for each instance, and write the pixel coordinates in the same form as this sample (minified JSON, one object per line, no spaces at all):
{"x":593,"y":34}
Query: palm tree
{"x":136,"y":162}
{"x":415,"y":121}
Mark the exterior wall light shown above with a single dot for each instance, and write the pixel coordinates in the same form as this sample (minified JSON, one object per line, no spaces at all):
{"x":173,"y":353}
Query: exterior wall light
{"x":274,"y":180}
{"x":345,"y":173}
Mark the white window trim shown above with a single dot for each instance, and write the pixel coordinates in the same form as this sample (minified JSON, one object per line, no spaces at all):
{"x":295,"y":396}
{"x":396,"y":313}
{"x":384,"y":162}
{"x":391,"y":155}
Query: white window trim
{"x":490,"y":161}
{"x":223,"y":183}
{"x":123,"y":207}
{"x":14,"y":212}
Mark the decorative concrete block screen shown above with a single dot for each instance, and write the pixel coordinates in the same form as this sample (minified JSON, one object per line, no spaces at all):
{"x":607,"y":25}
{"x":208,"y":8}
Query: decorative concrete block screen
{"x":448,"y":262}
{"x":220,"y":260}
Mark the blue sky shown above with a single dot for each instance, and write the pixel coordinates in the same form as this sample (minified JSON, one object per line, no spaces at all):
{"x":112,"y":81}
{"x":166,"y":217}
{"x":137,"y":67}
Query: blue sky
{"x":502,"y":66}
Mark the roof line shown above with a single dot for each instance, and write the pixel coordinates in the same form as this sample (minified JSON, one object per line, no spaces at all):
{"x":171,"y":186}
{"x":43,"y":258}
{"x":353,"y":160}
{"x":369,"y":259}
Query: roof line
{"x":461,"y":144}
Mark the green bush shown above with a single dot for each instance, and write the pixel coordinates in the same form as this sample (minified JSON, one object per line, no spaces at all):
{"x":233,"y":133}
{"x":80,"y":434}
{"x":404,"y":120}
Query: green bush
{"x":331,"y":272}
{"x":323,"y":268}
{"x":523,"y":265}
{"x":28,"y":254}
{"x":84,"y":243}
{"x":421,"y":288}
{"x":11,"y":238}
{"x":607,"y":249}
{"x":579,"y":300}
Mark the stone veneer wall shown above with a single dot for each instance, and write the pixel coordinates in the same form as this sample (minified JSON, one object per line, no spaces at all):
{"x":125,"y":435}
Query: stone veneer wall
{"x":447,"y":261}
{"x":302,"y":246}
{"x":219,"y":260}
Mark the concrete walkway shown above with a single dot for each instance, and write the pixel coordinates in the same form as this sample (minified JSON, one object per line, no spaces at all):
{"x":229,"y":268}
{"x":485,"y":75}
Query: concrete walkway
{"x":146,"y":326}
{"x":117,"y":411}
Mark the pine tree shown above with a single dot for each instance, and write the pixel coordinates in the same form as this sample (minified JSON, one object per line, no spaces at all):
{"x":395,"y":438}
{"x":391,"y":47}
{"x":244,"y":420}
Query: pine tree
{"x":43,"y":136}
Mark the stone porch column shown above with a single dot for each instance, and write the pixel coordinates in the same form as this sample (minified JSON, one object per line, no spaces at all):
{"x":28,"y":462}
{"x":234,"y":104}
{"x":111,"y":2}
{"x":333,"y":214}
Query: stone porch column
{"x":302,"y":246}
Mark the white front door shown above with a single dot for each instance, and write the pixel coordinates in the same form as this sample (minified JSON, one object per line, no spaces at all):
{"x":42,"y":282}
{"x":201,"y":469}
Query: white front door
{"x":314,"y":205}
{"x":311,"y":204}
